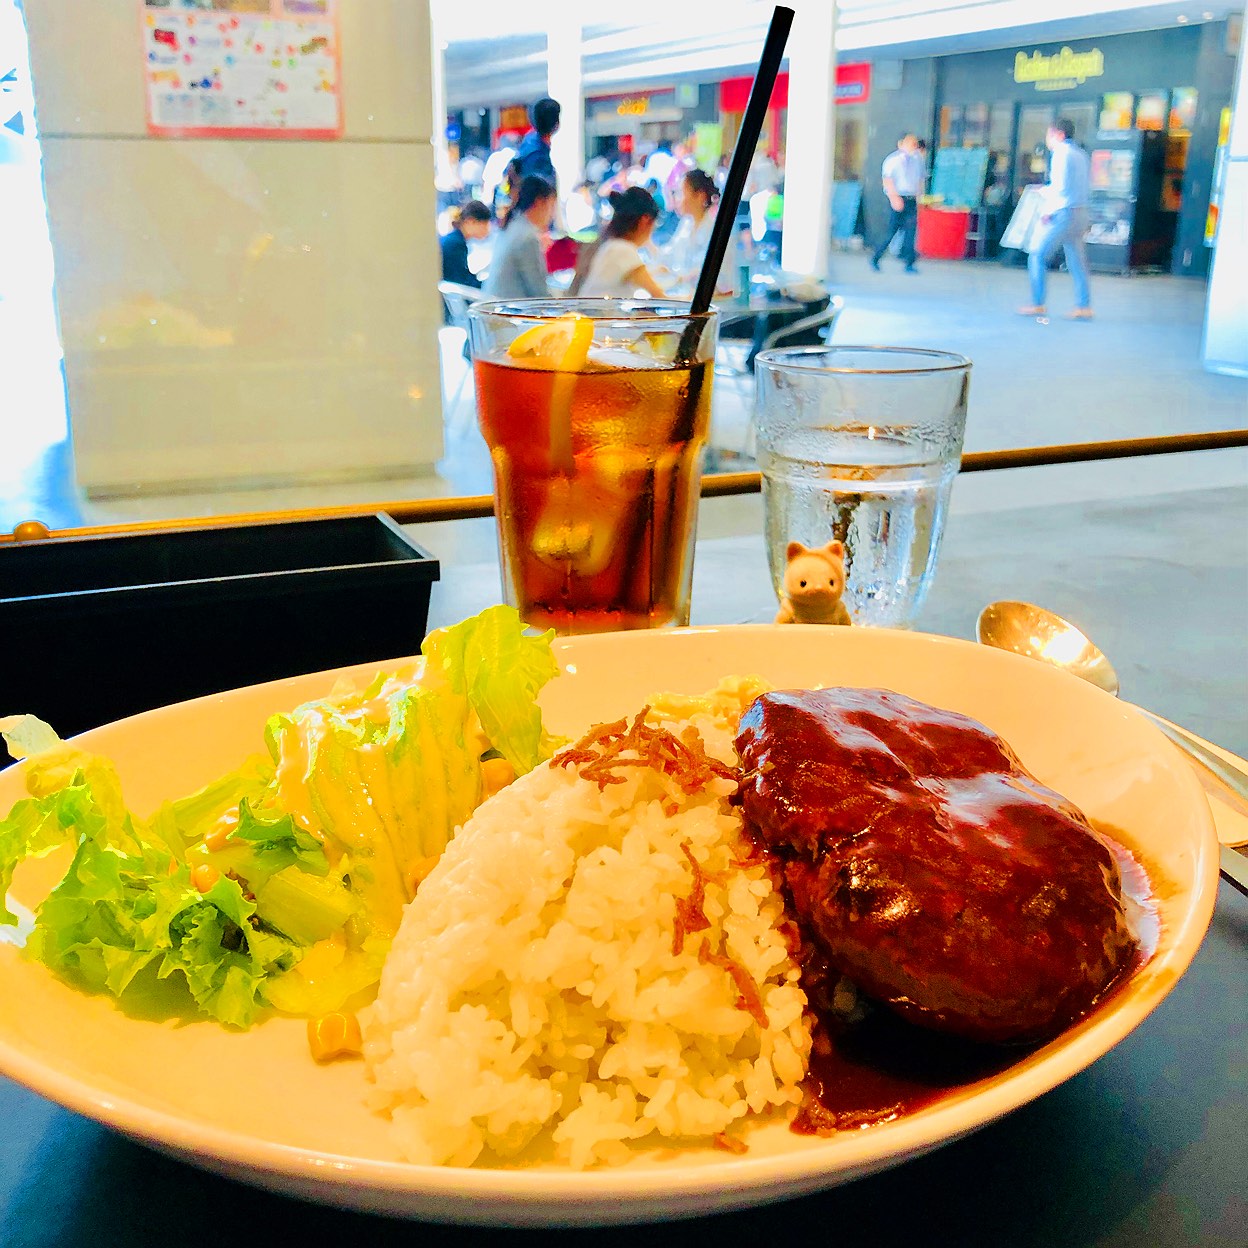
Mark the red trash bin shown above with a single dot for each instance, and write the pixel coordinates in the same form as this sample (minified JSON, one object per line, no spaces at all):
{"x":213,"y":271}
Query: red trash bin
{"x":942,"y":233}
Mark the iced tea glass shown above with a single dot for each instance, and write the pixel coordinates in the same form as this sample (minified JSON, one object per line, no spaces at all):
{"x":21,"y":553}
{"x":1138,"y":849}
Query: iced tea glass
{"x":596,"y":413}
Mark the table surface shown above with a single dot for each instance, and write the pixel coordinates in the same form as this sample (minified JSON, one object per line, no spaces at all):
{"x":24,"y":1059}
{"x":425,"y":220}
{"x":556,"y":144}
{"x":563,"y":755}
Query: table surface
{"x":731,"y":309}
{"x":1146,"y":1147}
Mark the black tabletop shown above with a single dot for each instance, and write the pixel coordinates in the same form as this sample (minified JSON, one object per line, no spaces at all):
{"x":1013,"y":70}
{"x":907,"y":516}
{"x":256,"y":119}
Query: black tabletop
{"x":1145,"y":1147}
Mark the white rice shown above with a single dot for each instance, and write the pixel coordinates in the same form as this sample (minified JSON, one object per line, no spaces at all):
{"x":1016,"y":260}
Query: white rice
{"x":533,"y":999}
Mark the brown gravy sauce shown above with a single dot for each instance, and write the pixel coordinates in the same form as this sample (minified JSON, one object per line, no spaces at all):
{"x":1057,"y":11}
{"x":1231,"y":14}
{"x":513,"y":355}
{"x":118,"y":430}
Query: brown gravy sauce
{"x":882,"y":1068}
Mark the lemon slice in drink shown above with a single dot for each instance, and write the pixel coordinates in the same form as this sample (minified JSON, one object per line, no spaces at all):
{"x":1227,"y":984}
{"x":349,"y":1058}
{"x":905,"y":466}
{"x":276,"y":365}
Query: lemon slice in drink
{"x":561,"y":344}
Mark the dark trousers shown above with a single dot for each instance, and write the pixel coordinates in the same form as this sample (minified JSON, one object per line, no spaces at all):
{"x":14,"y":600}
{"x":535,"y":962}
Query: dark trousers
{"x":905,"y":219}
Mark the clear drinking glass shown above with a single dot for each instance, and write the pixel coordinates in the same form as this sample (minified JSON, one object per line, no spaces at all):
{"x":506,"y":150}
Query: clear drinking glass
{"x":861,"y":444}
{"x":596,"y":413}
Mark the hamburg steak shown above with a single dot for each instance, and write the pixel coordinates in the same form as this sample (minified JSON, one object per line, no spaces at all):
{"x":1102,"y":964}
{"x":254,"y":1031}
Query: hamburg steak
{"x":929,"y":866}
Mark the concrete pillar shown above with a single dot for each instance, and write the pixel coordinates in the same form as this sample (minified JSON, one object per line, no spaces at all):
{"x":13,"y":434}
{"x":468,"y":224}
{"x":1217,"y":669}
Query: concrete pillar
{"x":564,"y":83}
{"x":811,"y":137}
{"x":1226,"y":314}
{"x":241,"y":311}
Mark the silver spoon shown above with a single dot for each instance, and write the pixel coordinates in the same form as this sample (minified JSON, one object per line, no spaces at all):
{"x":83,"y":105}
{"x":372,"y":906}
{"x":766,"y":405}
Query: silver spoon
{"x":1026,"y":629}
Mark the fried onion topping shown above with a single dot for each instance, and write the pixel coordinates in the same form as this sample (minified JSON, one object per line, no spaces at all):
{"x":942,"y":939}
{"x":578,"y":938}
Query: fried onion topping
{"x":606,"y":748}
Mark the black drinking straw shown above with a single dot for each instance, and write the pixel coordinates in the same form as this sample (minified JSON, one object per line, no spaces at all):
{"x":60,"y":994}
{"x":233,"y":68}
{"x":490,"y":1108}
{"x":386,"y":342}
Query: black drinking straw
{"x":738,"y":170}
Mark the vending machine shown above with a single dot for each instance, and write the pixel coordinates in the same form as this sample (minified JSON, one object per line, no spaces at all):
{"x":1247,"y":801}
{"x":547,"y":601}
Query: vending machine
{"x":1129,"y":224}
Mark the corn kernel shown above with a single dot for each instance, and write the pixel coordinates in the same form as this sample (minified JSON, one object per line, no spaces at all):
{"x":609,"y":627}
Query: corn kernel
{"x":204,"y":876}
{"x":496,"y":773}
{"x":215,"y":840}
{"x":335,"y":1035}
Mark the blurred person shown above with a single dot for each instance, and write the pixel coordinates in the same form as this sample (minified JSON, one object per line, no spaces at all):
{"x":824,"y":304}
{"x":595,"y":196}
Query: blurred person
{"x":518,"y":265}
{"x":682,"y":162}
{"x":533,"y":153}
{"x":469,"y":221}
{"x":495,"y":169}
{"x":660,"y":163}
{"x":902,"y":175}
{"x":669,"y":219}
{"x":471,"y":168}
{"x":614,"y":266}
{"x":1063,"y":223}
{"x":762,"y":176}
{"x":580,"y":211}
{"x":446,"y":180}
{"x":697,"y":196}
{"x":597,"y":168}
{"x":772,"y":239}
{"x":507,"y":189}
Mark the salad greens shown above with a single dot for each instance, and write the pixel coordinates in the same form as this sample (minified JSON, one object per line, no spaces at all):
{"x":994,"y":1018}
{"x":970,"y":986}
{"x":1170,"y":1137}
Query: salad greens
{"x":282,"y":883}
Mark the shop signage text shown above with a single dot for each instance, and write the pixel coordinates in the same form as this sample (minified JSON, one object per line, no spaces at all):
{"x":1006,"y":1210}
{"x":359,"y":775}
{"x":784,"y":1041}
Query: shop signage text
{"x":853,"y":86}
{"x":633,"y":106}
{"x":853,"y":83}
{"x":1063,"y":69}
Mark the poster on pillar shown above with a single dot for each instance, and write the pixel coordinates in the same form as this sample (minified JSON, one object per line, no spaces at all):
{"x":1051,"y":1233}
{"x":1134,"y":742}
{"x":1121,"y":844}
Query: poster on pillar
{"x":242,"y":69}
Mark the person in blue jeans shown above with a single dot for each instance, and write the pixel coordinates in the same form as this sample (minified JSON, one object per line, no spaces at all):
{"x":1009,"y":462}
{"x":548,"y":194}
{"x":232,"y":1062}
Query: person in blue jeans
{"x":1063,"y":223}
{"x":903,"y":174}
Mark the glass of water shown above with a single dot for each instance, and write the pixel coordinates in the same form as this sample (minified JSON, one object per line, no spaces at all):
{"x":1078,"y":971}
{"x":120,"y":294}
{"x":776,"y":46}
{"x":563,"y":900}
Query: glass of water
{"x":861,"y":444}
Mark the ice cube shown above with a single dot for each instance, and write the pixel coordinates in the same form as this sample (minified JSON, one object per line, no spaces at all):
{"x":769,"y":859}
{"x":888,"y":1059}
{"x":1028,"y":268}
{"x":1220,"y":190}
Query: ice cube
{"x":581,"y":522}
{"x":617,"y":357}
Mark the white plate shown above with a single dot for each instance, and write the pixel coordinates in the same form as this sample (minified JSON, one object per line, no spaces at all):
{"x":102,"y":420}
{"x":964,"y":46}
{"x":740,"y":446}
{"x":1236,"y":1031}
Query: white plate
{"x":254,"y":1106}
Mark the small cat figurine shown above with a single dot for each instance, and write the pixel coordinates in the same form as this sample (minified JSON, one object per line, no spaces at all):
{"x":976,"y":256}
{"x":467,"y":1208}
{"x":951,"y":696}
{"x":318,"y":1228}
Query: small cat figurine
{"x":814,"y":580}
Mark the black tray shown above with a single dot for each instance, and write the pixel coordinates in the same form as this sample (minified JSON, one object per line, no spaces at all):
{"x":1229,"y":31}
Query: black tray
{"x":93,"y":629}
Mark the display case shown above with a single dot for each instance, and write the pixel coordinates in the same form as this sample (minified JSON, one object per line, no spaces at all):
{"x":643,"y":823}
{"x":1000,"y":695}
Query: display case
{"x":1129,"y":226}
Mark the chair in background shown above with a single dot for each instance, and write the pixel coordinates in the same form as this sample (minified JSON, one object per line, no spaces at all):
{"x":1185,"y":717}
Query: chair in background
{"x":810,"y":330}
{"x":456,"y":300}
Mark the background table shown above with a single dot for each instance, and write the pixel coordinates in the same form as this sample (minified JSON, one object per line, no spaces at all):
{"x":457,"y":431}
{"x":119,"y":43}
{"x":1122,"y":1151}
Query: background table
{"x":1146,"y":1147}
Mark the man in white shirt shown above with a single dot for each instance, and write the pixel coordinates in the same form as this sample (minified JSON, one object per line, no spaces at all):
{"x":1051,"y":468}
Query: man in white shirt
{"x":1063,"y":223}
{"x":494,"y":169}
{"x":903,"y":173}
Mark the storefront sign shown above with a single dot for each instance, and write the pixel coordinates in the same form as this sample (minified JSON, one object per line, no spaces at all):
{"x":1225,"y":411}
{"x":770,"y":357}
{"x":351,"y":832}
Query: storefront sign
{"x":513,"y":117}
{"x":853,"y":83}
{"x":1060,"y":71}
{"x":657,"y":105}
{"x":853,"y":86}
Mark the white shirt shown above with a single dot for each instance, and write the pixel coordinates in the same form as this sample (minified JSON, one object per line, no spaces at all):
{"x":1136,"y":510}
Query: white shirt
{"x":688,"y":246}
{"x":659,"y":166}
{"x":685,"y":253}
{"x":907,"y":171}
{"x":493,"y":172}
{"x":577,"y":214}
{"x":614,"y":260}
{"x":1068,"y":178}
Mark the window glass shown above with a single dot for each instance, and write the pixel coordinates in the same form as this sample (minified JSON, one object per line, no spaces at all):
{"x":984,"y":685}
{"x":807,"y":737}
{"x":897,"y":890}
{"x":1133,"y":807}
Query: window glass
{"x":975,"y":126}
{"x":1001,"y":127}
{"x":1183,"y":108}
{"x":950,"y":125}
{"x":1117,"y":110}
{"x":1150,"y":113}
{"x":1034,"y":121}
